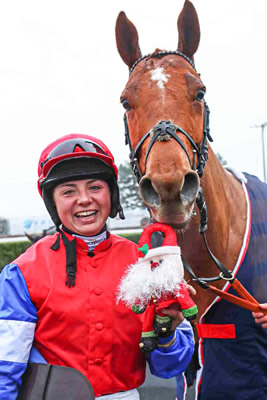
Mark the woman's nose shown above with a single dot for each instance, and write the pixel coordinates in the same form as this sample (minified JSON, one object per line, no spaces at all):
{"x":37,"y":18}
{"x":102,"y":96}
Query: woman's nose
{"x":84,"y":197}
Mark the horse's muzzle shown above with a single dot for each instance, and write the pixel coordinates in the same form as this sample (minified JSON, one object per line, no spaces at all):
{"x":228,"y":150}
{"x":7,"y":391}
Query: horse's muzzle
{"x":170,"y":197}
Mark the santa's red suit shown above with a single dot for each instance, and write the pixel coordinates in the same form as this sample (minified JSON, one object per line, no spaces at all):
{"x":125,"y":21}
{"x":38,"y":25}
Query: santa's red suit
{"x":155,"y":306}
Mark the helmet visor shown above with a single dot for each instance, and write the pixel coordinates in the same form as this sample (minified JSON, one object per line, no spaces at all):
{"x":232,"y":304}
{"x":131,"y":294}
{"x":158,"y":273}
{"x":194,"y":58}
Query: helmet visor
{"x":75,"y":145}
{"x":72,"y":148}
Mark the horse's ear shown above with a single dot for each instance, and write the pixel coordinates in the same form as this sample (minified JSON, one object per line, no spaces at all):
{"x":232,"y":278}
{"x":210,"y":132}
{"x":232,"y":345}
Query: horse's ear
{"x":127,"y":40}
{"x":189,"y":30}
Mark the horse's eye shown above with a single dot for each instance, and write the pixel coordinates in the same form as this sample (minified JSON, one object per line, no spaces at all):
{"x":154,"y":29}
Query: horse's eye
{"x":125,"y":103}
{"x":200,"y":95}
{"x":151,"y":262}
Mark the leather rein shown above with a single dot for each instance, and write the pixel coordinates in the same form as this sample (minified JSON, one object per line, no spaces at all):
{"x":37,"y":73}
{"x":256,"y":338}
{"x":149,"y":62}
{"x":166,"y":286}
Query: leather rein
{"x":165,"y":130}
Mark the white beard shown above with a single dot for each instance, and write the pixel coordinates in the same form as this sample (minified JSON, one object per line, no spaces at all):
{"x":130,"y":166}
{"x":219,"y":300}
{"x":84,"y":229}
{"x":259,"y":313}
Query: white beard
{"x":140,"y":282}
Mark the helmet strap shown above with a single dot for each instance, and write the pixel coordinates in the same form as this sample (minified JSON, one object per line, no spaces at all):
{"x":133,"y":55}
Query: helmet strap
{"x":121,"y":213}
{"x":71,"y":259}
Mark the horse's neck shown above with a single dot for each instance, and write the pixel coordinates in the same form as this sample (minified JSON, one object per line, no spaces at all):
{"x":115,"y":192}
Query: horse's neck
{"x":227,"y":210}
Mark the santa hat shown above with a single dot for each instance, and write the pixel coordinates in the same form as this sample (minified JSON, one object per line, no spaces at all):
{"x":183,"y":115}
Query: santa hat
{"x":168,"y":247}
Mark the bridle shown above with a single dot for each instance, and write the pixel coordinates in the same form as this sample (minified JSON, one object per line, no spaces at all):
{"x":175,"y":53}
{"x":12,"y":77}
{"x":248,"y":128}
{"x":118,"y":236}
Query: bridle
{"x":165,"y":130}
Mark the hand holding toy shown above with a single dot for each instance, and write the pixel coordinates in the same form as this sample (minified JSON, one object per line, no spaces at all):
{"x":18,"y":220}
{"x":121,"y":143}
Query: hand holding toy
{"x":154,"y":283}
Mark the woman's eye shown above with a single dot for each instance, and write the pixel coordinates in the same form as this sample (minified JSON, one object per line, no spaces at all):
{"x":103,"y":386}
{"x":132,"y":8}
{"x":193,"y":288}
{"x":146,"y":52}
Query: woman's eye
{"x":68,"y":192}
{"x":200,"y":95}
{"x":125,"y":103}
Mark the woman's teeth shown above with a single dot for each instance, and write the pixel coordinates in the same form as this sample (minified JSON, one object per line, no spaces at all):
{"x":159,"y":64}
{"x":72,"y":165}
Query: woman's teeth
{"x":85,"y":214}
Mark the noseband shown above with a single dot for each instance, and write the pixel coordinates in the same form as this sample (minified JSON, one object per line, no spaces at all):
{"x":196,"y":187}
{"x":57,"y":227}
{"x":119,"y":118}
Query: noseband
{"x":165,"y":130}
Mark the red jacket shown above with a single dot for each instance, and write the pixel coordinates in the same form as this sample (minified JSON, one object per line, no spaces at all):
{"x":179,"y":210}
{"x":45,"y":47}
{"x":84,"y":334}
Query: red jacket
{"x":83,"y":327}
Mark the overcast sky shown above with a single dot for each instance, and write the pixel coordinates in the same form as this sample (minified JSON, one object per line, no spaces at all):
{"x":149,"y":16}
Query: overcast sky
{"x":60,"y":73}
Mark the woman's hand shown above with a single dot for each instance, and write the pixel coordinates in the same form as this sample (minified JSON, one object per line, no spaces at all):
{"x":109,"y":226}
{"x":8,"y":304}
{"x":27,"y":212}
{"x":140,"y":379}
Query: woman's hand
{"x":174,"y":311}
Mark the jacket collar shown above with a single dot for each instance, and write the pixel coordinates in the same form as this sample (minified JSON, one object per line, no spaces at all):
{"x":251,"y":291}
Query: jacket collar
{"x":81,"y":245}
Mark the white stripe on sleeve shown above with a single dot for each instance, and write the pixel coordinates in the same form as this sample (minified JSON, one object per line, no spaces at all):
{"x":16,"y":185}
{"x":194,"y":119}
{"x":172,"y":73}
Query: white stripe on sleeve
{"x":16,"y":340}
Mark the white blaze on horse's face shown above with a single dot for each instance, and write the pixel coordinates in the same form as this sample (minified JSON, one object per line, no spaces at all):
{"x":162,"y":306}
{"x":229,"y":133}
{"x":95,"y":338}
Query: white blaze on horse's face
{"x":159,"y":76}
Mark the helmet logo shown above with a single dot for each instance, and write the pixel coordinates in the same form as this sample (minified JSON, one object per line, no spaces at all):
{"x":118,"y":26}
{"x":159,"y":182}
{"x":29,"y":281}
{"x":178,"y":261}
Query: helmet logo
{"x":78,"y":149}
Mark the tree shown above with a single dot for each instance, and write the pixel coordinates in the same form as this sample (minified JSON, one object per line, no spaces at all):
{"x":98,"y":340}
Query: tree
{"x":4,"y":227}
{"x":129,"y":190}
{"x":221,"y":159}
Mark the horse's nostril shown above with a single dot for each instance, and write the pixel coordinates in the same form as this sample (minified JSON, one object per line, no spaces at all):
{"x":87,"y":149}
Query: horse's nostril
{"x":190,"y":187}
{"x":148,"y":193}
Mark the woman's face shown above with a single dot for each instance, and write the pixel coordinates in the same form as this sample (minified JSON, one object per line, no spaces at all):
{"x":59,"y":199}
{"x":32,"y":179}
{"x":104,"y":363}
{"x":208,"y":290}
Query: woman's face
{"x":83,"y":206}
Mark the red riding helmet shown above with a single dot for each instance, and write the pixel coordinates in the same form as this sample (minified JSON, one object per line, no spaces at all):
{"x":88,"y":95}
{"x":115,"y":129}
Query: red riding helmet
{"x":77,"y":156}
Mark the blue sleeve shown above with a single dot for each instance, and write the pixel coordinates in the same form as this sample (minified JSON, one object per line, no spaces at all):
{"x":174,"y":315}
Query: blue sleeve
{"x":17,"y":325}
{"x":168,"y":362}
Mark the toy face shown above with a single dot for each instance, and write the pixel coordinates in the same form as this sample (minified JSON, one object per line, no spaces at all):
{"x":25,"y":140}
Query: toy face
{"x":152,"y":276}
{"x":155,"y":263}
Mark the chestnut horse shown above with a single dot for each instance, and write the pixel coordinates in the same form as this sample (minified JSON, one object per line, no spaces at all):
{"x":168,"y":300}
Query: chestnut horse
{"x":167,"y":129}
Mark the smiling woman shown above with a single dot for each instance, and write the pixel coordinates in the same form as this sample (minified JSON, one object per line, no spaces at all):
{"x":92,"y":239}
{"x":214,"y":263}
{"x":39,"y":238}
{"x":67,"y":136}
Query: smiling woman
{"x":63,"y":289}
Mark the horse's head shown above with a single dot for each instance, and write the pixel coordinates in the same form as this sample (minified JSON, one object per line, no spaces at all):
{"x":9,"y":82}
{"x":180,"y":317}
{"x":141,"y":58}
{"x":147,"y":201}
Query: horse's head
{"x":165,"y":115}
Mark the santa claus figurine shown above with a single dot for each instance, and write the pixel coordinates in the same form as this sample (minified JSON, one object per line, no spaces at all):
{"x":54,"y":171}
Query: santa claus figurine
{"x":155,"y":282}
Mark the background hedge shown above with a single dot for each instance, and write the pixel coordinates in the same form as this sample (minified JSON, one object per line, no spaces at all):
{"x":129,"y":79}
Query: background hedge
{"x":10,"y":251}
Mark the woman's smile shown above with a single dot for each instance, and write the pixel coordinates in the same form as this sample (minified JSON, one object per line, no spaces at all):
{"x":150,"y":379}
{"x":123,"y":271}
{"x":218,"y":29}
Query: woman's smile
{"x":85,"y":214}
